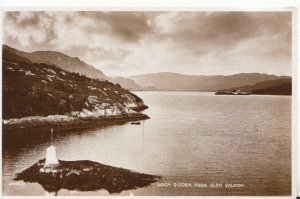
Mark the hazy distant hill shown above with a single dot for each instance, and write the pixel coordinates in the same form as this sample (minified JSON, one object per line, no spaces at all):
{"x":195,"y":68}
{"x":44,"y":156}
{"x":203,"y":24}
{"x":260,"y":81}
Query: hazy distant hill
{"x":126,"y":83}
{"x":36,"y":91}
{"x":180,"y":82}
{"x":131,"y":85}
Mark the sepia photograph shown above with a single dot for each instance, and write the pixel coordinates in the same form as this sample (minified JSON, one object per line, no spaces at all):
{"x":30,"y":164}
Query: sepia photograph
{"x":147,"y":103}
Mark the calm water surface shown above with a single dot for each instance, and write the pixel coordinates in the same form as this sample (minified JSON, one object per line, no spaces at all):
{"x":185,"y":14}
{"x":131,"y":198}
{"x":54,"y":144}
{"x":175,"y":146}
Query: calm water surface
{"x":190,"y":138}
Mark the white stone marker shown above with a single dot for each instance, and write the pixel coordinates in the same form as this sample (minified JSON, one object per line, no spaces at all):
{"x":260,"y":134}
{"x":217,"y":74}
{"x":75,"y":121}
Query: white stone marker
{"x":51,"y":158}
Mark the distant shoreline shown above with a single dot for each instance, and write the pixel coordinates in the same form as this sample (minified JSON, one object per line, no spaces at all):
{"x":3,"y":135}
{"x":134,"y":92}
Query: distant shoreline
{"x":214,"y":92}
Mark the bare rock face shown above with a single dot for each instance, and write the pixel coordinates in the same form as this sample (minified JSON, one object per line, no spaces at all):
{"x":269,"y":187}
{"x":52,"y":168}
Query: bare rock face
{"x":85,"y":176}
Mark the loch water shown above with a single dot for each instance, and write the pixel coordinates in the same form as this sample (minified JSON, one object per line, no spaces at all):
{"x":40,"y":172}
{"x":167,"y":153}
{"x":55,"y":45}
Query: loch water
{"x":199,"y":143}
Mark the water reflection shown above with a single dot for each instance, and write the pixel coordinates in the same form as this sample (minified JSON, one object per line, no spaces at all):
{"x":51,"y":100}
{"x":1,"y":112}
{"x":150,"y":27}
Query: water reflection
{"x":15,"y":140}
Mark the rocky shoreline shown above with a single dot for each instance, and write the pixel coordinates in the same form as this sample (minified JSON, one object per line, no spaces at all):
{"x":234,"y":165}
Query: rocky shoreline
{"x":71,"y":124}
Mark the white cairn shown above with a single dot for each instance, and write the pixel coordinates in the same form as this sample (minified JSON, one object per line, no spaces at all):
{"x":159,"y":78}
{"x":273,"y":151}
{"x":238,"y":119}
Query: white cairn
{"x":51,"y":158}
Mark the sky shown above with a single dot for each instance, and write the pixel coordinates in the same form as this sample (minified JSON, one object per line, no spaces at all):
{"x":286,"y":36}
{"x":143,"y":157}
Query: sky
{"x":132,"y":43}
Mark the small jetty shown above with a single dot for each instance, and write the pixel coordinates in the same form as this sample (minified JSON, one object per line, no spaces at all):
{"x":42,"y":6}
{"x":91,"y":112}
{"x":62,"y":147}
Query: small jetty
{"x":82,"y":175}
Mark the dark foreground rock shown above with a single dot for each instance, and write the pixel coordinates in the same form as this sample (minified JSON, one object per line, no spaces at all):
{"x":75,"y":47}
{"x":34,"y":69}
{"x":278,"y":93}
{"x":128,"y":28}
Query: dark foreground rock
{"x":85,"y":175}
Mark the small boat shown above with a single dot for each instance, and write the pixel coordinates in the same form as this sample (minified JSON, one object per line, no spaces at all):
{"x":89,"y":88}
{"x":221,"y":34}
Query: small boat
{"x":135,"y":123}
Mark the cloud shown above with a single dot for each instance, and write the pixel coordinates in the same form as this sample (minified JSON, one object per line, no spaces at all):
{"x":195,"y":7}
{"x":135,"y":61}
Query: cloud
{"x":127,"y":26}
{"x":202,"y":32}
{"x":28,"y":27}
{"x":127,"y":43}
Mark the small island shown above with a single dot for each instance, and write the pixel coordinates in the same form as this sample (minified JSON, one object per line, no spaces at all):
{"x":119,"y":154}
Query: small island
{"x":84,"y":175}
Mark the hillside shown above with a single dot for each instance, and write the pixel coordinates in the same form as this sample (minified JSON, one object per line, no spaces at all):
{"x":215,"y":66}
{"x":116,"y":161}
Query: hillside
{"x":180,"y":82}
{"x":72,"y":64}
{"x":281,"y":89}
{"x":265,"y":85}
{"x":272,"y":87}
{"x":63,"y":61}
{"x":43,"y":92}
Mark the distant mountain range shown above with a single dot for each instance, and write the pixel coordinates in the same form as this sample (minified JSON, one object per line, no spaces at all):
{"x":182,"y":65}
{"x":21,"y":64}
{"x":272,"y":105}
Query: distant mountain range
{"x":164,"y":81}
{"x":180,"y":82}
{"x":131,"y":84}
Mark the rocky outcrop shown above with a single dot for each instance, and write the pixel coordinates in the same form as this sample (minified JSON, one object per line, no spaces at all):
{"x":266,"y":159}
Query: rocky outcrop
{"x":84,"y":175}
